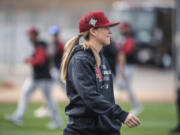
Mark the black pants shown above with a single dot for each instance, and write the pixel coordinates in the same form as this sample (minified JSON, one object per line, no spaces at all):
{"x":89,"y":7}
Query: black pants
{"x":84,"y":126}
{"x":74,"y":132}
{"x":178,"y":105}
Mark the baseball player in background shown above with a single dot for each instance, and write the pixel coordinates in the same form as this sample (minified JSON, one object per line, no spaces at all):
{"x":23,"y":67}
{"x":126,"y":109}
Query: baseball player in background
{"x":126,"y":65}
{"x":40,"y":78}
{"x":55,"y":53}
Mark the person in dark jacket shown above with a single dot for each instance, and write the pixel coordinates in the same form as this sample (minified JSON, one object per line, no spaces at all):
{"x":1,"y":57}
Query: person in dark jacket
{"x":89,"y":85}
{"x":40,"y":79}
{"x":110,"y":52}
{"x":55,"y":53}
{"x":177,"y":128}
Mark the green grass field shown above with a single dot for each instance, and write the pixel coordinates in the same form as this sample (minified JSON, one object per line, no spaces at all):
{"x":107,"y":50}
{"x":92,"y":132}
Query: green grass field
{"x":157,"y":119}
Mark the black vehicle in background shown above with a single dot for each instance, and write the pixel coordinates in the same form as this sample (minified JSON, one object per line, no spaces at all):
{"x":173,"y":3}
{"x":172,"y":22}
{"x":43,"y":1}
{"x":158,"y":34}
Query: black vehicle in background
{"x":152,"y":25}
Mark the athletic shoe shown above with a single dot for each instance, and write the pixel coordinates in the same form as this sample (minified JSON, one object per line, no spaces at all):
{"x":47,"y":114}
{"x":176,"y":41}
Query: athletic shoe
{"x":176,"y":129}
{"x":14,"y":120}
{"x":136,"y":111}
{"x":53,"y":125}
{"x":42,"y":112}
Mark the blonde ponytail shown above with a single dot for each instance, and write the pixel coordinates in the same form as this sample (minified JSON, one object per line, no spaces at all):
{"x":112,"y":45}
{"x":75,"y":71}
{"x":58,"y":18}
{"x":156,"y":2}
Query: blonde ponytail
{"x":95,"y":53}
{"x":68,"y":50}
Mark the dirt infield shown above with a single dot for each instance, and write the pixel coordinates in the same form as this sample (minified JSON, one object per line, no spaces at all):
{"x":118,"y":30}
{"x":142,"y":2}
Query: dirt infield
{"x":150,"y":85}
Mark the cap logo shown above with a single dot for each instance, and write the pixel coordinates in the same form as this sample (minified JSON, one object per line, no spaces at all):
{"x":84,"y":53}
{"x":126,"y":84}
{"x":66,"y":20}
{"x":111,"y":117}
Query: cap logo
{"x":92,"y":22}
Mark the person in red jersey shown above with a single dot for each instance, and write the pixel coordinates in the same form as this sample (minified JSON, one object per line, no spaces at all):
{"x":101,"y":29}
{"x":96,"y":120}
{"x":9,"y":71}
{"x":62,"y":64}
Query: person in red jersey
{"x":40,"y":78}
{"x":126,"y":65}
{"x":55,"y":52}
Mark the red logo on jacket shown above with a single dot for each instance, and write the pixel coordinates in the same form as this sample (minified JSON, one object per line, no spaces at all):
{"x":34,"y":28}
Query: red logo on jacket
{"x":98,"y":74}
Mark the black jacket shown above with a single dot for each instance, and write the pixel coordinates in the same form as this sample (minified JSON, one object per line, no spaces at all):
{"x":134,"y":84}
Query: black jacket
{"x":92,"y":109}
{"x":110,"y":52}
{"x":42,"y":71}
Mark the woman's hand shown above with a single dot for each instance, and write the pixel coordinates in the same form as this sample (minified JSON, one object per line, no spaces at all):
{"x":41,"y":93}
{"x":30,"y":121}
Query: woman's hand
{"x":132,"y":121}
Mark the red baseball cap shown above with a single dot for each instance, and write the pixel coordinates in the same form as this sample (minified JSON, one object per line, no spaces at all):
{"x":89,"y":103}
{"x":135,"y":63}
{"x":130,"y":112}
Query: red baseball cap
{"x":124,"y":24}
{"x":33,"y":30}
{"x":93,"y":20}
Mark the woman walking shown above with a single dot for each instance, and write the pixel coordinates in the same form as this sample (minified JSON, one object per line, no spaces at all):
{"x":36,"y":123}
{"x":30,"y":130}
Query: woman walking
{"x":92,"y":109}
